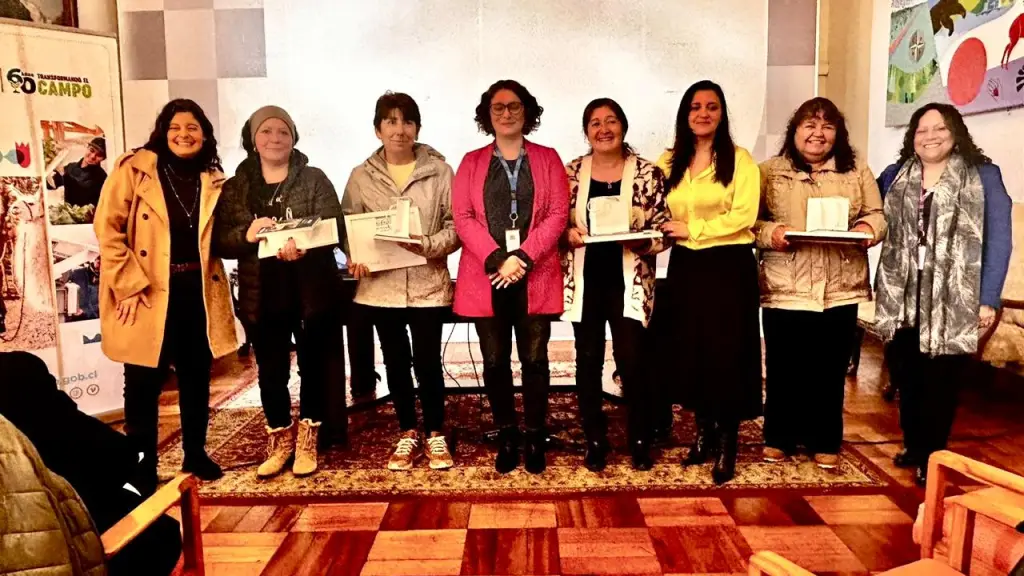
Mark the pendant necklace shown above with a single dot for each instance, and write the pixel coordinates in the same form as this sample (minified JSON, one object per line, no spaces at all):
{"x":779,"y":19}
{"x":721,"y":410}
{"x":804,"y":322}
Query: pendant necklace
{"x":195,"y":203}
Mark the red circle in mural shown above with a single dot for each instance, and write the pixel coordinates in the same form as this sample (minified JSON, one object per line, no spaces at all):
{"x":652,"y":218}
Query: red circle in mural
{"x":967,"y":72}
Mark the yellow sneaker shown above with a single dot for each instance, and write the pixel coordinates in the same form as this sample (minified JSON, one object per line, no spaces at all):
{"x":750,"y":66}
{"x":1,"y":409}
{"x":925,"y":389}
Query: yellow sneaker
{"x":407,"y":451}
{"x":437,"y":452}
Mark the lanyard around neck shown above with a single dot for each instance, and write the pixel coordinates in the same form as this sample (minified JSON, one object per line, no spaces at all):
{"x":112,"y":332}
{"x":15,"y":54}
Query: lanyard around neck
{"x":513,"y":180}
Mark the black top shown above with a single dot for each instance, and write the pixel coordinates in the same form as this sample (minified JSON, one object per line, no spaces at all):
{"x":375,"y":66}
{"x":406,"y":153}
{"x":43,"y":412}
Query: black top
{"x":498,"y":205}
{"x":924,"y":215}
{"x":279,"y":280}
{"x":181,"y":183}
{"x":82,"y":184}
{"x":603,"y":264}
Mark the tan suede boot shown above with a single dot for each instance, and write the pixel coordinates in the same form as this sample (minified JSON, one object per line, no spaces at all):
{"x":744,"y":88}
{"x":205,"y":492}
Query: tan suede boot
{"x":280,"y":449}
{"x":305,"y":452}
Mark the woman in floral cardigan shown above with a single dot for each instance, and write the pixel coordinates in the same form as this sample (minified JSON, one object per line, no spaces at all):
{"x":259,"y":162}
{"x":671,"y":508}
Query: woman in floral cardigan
{"x":620,"y":277}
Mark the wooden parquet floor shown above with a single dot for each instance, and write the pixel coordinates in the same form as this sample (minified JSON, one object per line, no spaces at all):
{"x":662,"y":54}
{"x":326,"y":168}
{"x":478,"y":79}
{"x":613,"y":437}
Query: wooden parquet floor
{"x":622,"y":534}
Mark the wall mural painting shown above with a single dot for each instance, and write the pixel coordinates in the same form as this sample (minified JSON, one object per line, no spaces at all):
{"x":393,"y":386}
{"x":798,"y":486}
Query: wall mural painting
{"x":967,"y":53}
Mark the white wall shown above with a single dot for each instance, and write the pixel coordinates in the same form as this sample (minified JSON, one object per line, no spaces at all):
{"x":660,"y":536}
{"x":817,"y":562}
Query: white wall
{"x":999,"y":134}
{"x":444,"y":54}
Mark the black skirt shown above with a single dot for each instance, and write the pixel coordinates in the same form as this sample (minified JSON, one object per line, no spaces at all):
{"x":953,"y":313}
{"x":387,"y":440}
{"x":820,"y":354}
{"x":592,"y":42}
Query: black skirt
{"x":715,"y":336}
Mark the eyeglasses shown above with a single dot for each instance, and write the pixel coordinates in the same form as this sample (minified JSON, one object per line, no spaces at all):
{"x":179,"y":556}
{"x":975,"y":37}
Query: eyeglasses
{"x":514,"y":108}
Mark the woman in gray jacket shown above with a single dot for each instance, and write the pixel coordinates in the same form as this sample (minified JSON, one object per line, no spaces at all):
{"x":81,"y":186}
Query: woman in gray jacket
{"x":415,"y":297}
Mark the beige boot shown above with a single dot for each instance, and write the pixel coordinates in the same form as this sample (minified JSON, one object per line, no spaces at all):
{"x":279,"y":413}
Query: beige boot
{"x":280,"y":449}
{"x":305,"y":452}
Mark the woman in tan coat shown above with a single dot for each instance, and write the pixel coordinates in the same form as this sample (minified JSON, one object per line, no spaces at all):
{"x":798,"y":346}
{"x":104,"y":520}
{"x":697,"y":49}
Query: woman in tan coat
{"x":163,"y":299}
{"x":810,"y":290}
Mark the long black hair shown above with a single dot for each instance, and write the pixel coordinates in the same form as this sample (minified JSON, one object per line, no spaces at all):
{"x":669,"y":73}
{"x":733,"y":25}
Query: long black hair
{"x":627,"y":150}
{"x":685,"y":146}
{"x":842,"y":151}
{"x":963,"y":144}
{"x":207,"y":158}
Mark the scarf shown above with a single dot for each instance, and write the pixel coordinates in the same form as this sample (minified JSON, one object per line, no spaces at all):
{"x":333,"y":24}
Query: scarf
{"x":944,"y":303}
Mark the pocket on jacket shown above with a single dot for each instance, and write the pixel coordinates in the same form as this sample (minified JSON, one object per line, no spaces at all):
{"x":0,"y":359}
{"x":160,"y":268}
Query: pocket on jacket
{"x":776,"y":271}
{"x":854,"y":269}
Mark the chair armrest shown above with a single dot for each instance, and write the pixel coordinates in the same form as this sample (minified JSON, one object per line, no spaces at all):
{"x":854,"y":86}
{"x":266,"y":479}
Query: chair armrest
{"x":939,"y":465}
{"x":1013,"y":304}
{"x":129,"y":527}
{"x":765,"y":563}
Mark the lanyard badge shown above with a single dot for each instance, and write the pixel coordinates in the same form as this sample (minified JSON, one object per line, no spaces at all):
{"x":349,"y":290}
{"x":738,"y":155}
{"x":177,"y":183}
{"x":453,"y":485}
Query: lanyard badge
{"x":513,"y":181}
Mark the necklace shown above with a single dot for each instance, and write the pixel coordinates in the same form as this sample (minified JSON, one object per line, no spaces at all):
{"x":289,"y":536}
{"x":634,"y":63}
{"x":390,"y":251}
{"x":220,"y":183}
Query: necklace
{"x":274,"y":195}
{"x":168,"y":171}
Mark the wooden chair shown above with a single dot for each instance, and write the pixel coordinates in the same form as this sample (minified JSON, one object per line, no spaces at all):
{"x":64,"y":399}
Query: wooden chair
{"x":184,"y":489}
{"x":1002,"y":502}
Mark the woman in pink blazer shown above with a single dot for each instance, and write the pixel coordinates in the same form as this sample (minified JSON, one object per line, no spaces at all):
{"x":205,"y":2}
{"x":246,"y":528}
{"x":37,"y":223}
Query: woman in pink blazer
{"x":511,"y":205}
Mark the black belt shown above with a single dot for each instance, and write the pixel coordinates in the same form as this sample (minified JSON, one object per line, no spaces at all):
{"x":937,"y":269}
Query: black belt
{"x":186,"y":267}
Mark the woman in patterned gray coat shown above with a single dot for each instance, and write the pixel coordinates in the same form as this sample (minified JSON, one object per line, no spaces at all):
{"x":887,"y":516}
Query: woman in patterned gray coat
{"x":941,"y":274}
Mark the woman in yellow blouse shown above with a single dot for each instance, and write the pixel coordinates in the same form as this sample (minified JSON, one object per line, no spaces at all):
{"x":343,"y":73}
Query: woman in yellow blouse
{"x":714,"y":192}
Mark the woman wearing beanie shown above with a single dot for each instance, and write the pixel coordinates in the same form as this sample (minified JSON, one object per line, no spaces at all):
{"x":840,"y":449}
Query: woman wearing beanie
{"x":409,"y":297}
{"x":164,"y":299}
{"x":292,"y":294}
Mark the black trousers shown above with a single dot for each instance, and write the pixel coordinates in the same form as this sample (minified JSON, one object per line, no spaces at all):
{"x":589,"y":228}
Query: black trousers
{"x":929,"y":392}
{"x":806,"y":354}
{"x":359,"y":328}
{"x":424,"y":356}
{"x":532,"y":336}
{"x":187,"y":347}
{"x":603,"y":304}
{"x":321,"y":358}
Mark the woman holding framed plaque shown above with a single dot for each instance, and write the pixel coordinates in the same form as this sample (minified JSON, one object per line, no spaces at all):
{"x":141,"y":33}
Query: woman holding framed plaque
{"x":810,"y":287}
{"x":292,"y":293}
{"x":511,"y":204}
{"x":612,"y":171}
{"x":405,"y":171}
{"x":714,"y":187}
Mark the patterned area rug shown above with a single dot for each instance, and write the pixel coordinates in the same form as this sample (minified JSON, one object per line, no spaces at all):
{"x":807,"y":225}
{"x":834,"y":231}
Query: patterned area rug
{"x":237,"y":440}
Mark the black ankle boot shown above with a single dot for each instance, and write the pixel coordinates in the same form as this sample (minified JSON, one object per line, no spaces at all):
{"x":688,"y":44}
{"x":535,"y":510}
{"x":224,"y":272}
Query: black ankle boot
{"x":536,"y":445}
{"x":906,"y":459}
{"x":640,"y":451}
{"x":508,"y":450}
{"x":704,"y":445}
{"x":202,"y":466}
{"x":725,"y":460}
{"x":597,"y":455}
{"x":921,"y":476}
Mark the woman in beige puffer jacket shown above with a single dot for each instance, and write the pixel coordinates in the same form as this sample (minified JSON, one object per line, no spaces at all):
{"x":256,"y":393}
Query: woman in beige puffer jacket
{"x":810,"y":290}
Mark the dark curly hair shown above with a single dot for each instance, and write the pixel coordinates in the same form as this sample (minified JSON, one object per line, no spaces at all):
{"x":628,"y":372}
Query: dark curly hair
{"x":963,"y":144}
{"x":627,"y":150}
{"x":842,"y":151}
{"x":207,"y":157}
{"x":686,"y":142}
{"x":531,"y":109}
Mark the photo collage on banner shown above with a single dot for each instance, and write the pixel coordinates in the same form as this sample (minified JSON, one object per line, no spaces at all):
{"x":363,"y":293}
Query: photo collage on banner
{"x":62,"y":114}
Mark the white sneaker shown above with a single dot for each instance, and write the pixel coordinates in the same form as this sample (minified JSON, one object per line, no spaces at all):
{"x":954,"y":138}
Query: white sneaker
{"x":437,"y":452}
{"x":407,"y":452}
